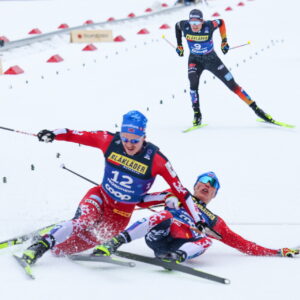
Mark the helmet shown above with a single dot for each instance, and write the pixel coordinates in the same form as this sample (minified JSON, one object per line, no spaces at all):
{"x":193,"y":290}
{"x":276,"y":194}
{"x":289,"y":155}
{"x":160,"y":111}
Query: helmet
{"x":134,"y":122}
{"x":196,"y":14}
{"x":210,"y":177}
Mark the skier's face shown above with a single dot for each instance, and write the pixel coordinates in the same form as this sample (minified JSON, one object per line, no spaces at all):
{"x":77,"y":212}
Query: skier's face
{"x":132,"y":143}
{"x":204,"y":191}
{"x":195,"y":24}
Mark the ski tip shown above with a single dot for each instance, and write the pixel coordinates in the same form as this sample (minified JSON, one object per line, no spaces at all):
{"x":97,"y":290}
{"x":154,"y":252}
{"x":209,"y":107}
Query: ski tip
{"x":25,"y":266}
{"x":194,"y":128}
{"x":227,"y":281}
{"x":4,"y":245}
{"x":276,"y":123}
{"x":128,"y":264}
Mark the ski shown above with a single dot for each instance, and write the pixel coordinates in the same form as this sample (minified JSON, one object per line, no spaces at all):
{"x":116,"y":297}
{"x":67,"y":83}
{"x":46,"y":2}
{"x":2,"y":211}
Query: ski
{"x":277,"y":123}
{"x":105,"y":259}
{"x":194,"y":128}
{"x":25,"y":237}
{"x":14,"y":241}
{"x":26,"y":267}
{"x":172,"y":266}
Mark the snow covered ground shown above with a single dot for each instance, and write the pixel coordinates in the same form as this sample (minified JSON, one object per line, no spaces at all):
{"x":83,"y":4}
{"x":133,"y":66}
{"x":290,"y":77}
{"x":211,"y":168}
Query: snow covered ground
{"x":258,"y":164}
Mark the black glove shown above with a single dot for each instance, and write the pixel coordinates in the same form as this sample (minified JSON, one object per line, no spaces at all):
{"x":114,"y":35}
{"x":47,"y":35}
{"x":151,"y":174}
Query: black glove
{"x":46,"y":136}
{"x":200,"y":225}
{"x":224,"y":46}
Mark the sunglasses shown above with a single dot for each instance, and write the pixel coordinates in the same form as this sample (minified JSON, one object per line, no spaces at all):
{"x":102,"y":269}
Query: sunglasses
{"x":132,"y":141}
{"x":195,"y":22}
{"x":207,"y":179}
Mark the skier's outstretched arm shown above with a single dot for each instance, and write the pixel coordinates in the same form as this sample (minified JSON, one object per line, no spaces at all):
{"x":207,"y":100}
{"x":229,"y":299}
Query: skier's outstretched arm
{"x":234,"y":240}
{"x":98,"y":139}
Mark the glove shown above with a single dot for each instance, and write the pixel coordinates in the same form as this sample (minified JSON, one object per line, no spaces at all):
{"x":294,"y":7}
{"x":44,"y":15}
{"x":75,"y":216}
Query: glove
{"x":224,"y":46}
{"x":172,"y":202}
{"x":180,"y":50}
{"x":200,"y":225}
{"x":46,"y":136}
{"x":288,"y":252}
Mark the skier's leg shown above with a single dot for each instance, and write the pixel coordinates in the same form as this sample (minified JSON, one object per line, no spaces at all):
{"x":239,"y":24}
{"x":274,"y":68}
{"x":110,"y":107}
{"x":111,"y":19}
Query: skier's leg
{"x":168,"y":240}
{"x":196,"y":248}
{"x":137,"y":230}
{"x":73,"y":235}
{"x":194,"y":72}
{"x":217,"y":67}
{"x":181,"y":244}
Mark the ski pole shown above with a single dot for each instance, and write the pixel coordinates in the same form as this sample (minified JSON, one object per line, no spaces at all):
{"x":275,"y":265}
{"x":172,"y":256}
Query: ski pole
{"x":165,"y":39}
{"x":151,"y":207}
{"x":242,"y":45}
{"x":17,"y":131}
{"x":65,"y":168}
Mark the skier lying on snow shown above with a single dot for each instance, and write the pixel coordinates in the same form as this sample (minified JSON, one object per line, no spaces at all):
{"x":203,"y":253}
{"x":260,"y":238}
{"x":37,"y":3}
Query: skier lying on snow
{"x":173,"y":236}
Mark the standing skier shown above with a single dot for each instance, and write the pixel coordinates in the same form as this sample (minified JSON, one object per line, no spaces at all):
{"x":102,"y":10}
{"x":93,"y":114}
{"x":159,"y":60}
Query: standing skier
{"x":131,"y":166}
{"x":199,"y":36}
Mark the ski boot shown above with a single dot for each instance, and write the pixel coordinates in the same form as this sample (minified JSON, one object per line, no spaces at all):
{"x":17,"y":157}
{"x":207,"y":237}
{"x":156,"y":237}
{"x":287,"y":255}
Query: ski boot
{"x":111,"y":246}
{"x":45,"y":231}
{"x":35,"y":251}
{"x":197,"y":118}
{"x":178,"y":256}
{"x":260,"y":113}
